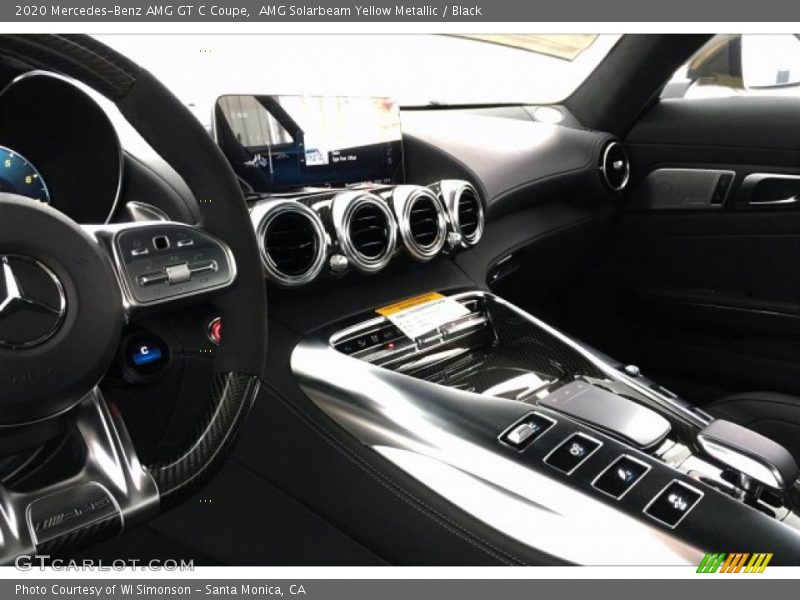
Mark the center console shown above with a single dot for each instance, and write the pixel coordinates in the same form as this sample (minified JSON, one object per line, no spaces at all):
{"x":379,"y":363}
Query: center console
{"x":551,"y":442}
{"x":536,"y":435}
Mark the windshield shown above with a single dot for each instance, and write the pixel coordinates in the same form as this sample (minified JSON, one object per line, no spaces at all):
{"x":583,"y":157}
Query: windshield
{"x":416,"y":70}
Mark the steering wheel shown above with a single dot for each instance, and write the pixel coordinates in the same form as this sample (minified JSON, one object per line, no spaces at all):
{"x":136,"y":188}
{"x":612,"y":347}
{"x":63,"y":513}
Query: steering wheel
{"x":66,"y":292}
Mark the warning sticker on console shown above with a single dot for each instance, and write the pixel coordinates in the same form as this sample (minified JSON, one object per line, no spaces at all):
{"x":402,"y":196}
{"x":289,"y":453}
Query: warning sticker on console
{"x":422,"y":314}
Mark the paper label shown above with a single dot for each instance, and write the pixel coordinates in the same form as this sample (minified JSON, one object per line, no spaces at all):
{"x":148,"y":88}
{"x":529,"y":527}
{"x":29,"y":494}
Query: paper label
{"x":422,"y":314}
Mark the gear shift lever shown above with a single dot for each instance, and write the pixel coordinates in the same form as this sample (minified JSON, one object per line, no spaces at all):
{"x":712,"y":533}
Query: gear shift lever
{"x":757,"y":459}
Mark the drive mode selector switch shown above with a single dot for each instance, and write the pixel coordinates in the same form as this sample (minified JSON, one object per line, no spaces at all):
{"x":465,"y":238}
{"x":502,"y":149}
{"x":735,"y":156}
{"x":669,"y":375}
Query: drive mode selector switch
{"x":673,"y":503}
{"x":621,"y":476}
{"x":526,"y":431}
{"x":143,"y":357}
{"x":571,"y":453}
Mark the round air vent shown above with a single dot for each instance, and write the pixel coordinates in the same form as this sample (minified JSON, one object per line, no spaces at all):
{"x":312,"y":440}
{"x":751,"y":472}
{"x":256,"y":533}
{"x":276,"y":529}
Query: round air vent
{"x":366,"y":230}
{"x":464,"y":208}
{"x":470,"y":214}
{"x":292,"y":240}
{"x":422,"y":221}
{"x":615,"y":167}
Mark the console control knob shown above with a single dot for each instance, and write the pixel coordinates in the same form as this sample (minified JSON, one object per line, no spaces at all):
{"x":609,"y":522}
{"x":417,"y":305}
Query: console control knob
{"x":632,"y":370}
{"x":338,"y":263}
{"x":453,"y":239}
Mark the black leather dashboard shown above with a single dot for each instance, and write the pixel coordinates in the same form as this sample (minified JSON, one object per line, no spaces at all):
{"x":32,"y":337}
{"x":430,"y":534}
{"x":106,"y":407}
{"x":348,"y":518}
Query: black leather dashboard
{"x":515,"y":163}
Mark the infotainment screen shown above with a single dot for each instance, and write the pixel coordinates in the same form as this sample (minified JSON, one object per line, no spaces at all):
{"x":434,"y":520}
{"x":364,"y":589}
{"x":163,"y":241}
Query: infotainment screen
{"x":284,"y":142}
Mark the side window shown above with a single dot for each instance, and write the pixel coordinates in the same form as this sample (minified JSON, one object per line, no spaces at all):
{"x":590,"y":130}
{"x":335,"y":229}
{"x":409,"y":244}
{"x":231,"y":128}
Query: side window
{"x":740,"y":65}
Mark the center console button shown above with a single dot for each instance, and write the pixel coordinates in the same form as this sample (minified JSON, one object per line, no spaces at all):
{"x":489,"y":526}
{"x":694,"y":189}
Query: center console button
{"x":429,"y":340}
{"x":569,"y":455}
{"x":523,"y":433}
{"x":621,"y":476}
{"x":673,"y":503}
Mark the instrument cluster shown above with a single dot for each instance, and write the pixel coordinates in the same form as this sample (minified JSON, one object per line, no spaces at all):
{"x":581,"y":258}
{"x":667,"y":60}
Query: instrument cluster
{"x":58,"y":146}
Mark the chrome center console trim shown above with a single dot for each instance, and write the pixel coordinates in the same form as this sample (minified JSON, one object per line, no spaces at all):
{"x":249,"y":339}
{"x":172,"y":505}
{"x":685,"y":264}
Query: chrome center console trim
{"x":420,"y":427}
{"x":447,"y":438}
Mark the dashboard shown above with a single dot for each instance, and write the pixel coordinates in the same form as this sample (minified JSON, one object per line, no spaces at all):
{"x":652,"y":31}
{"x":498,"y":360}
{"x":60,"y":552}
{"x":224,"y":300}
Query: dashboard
{"x":409,"y":196}
{"x":339,"y":190}
{"x":455,"y":200}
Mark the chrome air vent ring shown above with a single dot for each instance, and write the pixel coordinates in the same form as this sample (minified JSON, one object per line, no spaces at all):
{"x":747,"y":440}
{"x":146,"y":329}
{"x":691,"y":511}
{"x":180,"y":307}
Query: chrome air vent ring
{"x":468,"y":205}
{"x":421,"y":220}
{"x":366,"y":230}
{"x":615,"y":166}
{"x":292,"y":241}
{"x":464,"y":209}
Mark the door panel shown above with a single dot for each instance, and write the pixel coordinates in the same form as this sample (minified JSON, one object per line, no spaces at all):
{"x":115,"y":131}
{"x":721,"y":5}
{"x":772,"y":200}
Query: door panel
{"x":699,"y":287}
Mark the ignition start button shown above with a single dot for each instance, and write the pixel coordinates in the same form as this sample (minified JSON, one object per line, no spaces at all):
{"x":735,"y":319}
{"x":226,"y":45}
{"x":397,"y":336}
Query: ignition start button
{"x":215,"y":331}
{"x":144,"y":356}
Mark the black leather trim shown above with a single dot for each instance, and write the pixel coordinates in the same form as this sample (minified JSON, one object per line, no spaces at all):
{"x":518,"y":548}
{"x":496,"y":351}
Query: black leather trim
{"x":636,"y":69}
{"x":560,"y":161}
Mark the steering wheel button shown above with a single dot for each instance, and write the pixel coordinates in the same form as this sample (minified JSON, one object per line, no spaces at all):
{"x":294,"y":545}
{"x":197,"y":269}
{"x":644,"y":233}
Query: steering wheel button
{"x":185,"y":243}
{"x":161,"y":242}
{"x":141,"y":251}
{"x":179,"y":273}
{"x":152,"y":279}
{"x":208,"y":266}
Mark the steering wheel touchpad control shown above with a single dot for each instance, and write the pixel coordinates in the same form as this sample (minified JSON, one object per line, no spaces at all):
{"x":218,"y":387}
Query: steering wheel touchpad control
{"x":171,"y":260}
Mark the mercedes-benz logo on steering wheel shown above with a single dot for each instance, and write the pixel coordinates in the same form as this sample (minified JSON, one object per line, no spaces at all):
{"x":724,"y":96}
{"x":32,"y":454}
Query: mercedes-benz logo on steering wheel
{"x":32,"y":302}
